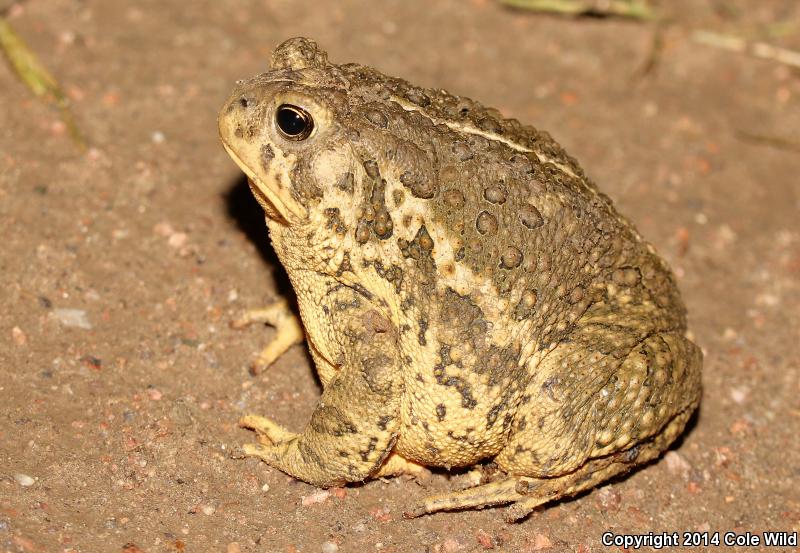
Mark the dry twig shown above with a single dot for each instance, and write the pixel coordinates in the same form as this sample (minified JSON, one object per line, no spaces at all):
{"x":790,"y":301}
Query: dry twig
{"x":36,"y":77}
{"x":755,"y":48}
{"x":633,"y":9}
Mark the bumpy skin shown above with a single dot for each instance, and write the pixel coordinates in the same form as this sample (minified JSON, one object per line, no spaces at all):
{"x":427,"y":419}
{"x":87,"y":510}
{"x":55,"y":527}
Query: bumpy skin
{"x":467,"y":293}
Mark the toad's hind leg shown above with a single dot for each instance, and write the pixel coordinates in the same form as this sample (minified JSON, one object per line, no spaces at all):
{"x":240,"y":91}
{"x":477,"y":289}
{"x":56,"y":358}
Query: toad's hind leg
{"x":538,"y":491}
{"x":525,"y":494}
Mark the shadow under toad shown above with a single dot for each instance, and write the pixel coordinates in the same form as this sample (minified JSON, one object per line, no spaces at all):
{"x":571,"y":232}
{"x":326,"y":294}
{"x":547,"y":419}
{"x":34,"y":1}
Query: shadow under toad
{"x":249,"y":217}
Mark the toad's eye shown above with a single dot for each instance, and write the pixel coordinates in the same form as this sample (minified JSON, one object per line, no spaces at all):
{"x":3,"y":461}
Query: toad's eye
{"x":293,"y":122}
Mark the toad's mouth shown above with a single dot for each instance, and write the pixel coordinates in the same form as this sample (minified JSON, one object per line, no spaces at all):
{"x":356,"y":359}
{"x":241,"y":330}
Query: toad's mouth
{"x":274,"y":200}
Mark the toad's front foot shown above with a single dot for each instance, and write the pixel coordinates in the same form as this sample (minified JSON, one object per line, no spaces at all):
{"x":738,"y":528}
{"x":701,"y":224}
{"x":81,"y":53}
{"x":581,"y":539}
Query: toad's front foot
{"x":269,"y":432}
{"x":288,"y":328}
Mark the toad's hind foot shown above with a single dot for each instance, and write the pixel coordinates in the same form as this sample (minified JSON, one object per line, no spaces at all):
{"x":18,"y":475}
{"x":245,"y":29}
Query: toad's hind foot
{"x":483,"y":495}
{"x":288,"y":328}
{"x":524,"y":494}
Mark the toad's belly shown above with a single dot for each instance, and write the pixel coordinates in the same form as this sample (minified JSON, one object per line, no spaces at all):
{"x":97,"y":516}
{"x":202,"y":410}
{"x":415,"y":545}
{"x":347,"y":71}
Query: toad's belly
{"x":452,"y":423}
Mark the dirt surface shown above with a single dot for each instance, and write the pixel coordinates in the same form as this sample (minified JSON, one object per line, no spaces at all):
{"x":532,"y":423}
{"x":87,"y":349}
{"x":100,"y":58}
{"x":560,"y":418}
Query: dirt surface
{"x":120,"y":269}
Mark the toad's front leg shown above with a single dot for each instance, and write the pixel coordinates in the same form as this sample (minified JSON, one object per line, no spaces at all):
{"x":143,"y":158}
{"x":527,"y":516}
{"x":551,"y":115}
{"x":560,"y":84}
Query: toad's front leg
{"x":355,"y":423}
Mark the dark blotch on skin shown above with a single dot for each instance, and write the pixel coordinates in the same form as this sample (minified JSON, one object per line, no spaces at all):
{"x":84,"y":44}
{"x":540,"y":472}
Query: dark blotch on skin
{"x":512,"y":257}
{"x":420,"y":186}
{"x":495,"y":194}
{"x":345,"y":266}
{"x":267,"y":155}
{"x":454,"y":198}
{"x":308,"y":454}
{"x":424,"y":239}
{"x":334,"y":220}
{"x":423,"y":328}
{"x":530,"y":216}
{"x":417,"y":96}
{"x":329,"y":419}
{"x":489,"y":124}
{"x":525,"y":307}
{"x":384,"y":421}
{"x":462,"y":151}
{"x":486,"y":223}
{"x":441,"y":411}
{"x":377,"y":118}
{"x":377,"y":373}
{"x":362,"y":232}
{"x":346,"y":183}
{"x":463,"y":388}
{"x":491,"y":416}
{"x":373,"y":443}
{"x":371,"y":167}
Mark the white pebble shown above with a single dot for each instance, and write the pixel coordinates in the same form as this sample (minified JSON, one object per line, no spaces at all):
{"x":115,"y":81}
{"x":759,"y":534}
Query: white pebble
{"x":158,"y":137}
{"x":676,"y":464}
{"x":24,"y":479}
{"x":177,"y":240}
{"x":318,"y":496}
{"x":208,"y":510}
{"x":265,"y":488}
{"x":18,"y":336}
{"x":739,"y":395}
{"x":73,"y":318}
{"x":329,"y":547}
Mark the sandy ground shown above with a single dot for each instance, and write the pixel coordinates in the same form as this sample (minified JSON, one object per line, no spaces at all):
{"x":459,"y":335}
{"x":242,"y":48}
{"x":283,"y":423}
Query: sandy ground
{"x":120,"y":269}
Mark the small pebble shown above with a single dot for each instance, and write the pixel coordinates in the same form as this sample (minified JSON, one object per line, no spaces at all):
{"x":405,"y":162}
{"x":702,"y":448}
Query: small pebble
{"x":154,"y":394}
{"x":163,"y":228}
{"x":739,"y":395}
{"x":484,"y":539}
{"x":233,"y":547}
{"x":24,"y":479}
{"x":540,"y":542}
{"x":76,"y":318}
{"x":319,"y":496}
{"x":19,"y":336}
{"x":265,"y":488}
{"x":158,"y":137}
{"x":676,"y":464}
{"x":610,"y":499}
{"x":381,"y":514}
{"x":329,"y":547}
{"x":177,"y":240}
{"x":208,"y":510}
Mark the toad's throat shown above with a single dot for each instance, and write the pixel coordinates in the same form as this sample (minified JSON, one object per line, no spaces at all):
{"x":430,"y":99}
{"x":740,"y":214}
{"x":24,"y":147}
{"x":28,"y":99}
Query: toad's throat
{"x":270,"y":211}
{"x":277,"y":204}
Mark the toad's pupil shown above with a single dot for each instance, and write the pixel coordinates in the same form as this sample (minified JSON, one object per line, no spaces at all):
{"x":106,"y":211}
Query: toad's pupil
{"x":295,"y":123}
